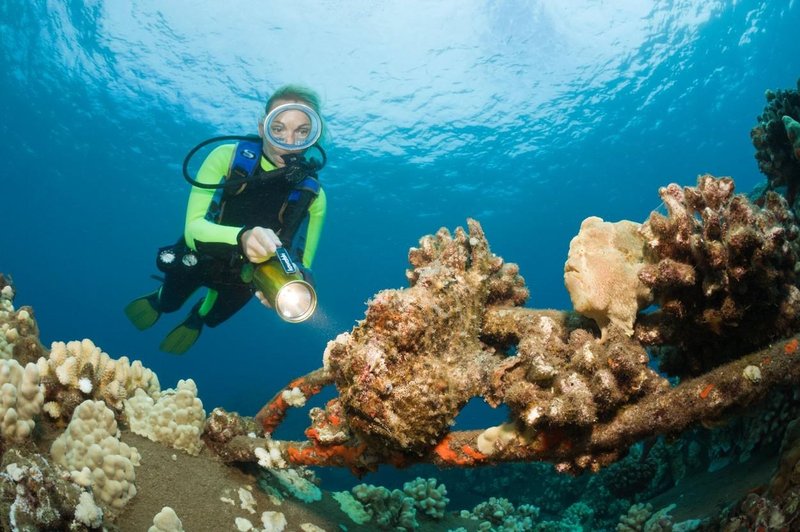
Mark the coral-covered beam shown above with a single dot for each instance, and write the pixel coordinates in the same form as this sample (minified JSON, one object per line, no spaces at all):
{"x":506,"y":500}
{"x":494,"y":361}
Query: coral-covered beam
{"x":272,"y":413}
{"x":459,"y":332}
{"x":706,"y":398}
{"x":353,"y":455}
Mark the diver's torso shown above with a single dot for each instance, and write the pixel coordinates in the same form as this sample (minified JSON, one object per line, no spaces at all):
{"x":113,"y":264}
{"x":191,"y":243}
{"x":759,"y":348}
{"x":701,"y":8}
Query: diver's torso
{"x":257,"y":203}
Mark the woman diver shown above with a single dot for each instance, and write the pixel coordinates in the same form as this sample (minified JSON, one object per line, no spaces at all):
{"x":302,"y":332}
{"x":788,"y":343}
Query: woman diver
{"x":248,"y":201}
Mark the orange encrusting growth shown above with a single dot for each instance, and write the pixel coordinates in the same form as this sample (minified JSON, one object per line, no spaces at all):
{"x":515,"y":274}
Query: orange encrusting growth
{"x":336,"y":455}
{"x":791,"y":347}
{"x":273,"y":414}
{"x":450,"y":456}
{"x":705,"y":391}
{"x":472,"y":453}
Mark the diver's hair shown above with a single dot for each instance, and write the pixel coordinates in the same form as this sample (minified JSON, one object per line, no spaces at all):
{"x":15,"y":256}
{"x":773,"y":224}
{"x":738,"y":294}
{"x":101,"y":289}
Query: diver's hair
{"x":294,"y":92}
{"x":299,"y":93}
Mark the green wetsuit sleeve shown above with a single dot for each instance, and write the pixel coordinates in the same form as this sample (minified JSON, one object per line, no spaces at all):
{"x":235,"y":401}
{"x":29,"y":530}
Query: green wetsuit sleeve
{"x":316,"y":218}
{"x":197,"y":228}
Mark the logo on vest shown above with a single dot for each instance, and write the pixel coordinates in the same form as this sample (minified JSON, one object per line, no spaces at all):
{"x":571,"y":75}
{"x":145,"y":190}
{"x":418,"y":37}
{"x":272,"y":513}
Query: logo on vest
{"x":249,"y":154}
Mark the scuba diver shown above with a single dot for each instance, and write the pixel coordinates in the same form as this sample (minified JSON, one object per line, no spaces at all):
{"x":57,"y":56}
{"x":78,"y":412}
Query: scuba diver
{"x":249,"y":201}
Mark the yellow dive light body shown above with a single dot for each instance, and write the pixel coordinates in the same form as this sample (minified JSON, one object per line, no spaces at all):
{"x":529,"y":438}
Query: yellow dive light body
{"x":281,"y":282}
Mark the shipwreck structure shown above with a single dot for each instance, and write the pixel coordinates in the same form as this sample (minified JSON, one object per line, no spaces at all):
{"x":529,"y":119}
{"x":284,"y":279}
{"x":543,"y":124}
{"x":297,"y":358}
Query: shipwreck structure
{"x":677,"y":320}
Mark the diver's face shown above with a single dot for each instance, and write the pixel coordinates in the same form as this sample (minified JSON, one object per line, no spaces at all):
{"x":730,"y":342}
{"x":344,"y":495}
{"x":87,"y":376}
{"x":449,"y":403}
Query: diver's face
{"x":291,"y":127}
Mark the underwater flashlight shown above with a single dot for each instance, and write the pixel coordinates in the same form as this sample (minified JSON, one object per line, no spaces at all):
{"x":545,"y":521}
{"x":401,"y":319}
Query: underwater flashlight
{"x":279,"y":119}
{"x":281,"y":282}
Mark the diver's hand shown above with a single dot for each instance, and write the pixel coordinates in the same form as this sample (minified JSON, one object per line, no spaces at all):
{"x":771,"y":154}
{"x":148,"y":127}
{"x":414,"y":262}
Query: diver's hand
{"x":261,"y":297}
{"x":259,"y":244}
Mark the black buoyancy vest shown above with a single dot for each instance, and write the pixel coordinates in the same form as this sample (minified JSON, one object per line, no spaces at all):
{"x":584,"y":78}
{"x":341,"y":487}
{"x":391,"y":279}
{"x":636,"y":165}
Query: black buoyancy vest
{"x":263,"y":200}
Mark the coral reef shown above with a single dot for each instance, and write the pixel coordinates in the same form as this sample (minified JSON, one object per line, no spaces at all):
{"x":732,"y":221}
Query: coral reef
{"x":166,"y":521}
{"x":778,"y":506}
{"x":722,"y":271}
{"x":389,"y":509}
{"x":21,"y":399}
{"x":498,"y":513}
{"x":76,"y":371}
{"x":352,"y":507}
{"x":580,"y":401}
{"x":777,"y":142}
{"x":650,"y":471}
{"x":94,"y":456}
{"x":19,"y":334}
{"x":298,"y":482}
{"x":395,"y":509}
{"x":65,"y":466}
{"x":429,"y":498}
{"x":742,"y":436}
{"x":459,"y":282}
{"x":222,"y":428}
{"x":34,"y":496}
{"x":175,"y":418}
{"x":636,"y":518}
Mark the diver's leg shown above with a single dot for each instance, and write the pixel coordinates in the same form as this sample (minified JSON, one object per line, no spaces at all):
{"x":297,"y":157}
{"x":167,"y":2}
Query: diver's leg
{"x":229,"y":301}
{"x":177,"y":288}
{"x":182,"y":337}
{"x":216,"y":307}
{"x":144,"y":311}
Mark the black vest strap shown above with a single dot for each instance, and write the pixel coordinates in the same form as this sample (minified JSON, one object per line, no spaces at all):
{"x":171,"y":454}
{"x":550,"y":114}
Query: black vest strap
{"x":296,"y":207}
{"x":246,"y":163}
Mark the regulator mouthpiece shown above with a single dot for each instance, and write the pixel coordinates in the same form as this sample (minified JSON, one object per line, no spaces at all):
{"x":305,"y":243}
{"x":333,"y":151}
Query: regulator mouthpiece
{"x":281,"y":282}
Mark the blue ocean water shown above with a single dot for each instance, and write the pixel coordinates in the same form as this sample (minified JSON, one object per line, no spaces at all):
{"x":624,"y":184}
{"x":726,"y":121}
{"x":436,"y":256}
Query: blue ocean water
{"x":526,"y":115}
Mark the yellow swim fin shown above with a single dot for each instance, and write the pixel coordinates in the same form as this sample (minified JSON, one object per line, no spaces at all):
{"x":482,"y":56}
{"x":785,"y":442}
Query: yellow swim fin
{"x":143,"y":312}
{"x":182,"y":337}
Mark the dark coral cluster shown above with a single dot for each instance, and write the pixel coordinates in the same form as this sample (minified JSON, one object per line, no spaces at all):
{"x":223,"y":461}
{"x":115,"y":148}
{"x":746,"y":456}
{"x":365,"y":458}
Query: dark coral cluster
{"x":34,"y":495}
{"x":778,"y":507}
{"x":407,"y":370}
{"x":221,"y":427}
{"x":722,"y":271}
{"x":776,"y":140}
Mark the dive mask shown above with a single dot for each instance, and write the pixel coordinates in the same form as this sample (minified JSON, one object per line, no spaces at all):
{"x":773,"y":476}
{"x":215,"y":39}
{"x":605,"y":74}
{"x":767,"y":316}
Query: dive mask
{"x":292,"y":127}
